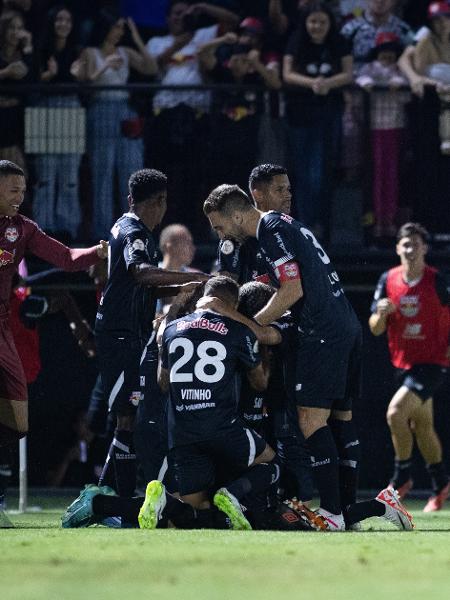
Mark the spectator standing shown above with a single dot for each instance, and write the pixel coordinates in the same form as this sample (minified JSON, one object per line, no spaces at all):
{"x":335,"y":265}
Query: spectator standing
{"x":178,"y":134}
{"x":56,"y":205}
{"x":378,"y":17}
{"x":239,"y":60}
{"x":387,"y":127}
{"x":16,"y":57}
{"x":431,"y":59}
{"x":317,"y":63}
{"x":114,"y":128}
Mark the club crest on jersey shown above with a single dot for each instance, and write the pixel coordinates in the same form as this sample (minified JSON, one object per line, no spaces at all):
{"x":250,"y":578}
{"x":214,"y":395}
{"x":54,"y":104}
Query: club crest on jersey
{"x":6,"y":258}
{"x":409,"y":306}
{"x":135,"y":398}
{"x":227,"y":247}
{"x":138,"y":245}
{"x":11,"y":234}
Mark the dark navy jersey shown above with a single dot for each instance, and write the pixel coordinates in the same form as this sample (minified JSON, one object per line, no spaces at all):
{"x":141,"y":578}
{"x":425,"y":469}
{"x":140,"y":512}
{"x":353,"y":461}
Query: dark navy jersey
{"x":203,"y":352}
{"x":127,"y":307}
{"x":323,"y":311}
{"x":243,"y":261}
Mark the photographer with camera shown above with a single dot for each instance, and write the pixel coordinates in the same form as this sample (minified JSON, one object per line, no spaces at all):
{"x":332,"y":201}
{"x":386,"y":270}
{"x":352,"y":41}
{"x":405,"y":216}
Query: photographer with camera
{"x":178,"y":132}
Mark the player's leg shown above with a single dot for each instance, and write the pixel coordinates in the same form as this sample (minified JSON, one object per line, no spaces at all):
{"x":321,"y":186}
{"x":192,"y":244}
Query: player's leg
{"x":431,"y":449}
{"x":344,"y":429}
{"x":151,"y":422}
{"x":13,"y":390}
{"x":399,"y":413}
{"x":386,"y":505}
{"x":119,"y":368}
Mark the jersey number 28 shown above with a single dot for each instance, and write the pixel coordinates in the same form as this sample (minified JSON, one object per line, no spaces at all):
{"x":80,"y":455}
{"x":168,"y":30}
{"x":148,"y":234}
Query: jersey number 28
{"x":204,"y":359}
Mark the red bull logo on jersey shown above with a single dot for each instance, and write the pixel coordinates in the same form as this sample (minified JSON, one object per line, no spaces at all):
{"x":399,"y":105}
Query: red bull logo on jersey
{"x":203,"y":323}
{"x":11,"y":234}
{"x":409,"y":306}
{"x":6,"y":258}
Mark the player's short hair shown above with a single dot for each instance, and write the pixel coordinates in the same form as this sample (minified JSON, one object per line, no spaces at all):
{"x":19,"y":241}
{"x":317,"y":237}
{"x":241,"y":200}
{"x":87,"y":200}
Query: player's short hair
{"x":9,"y":168}
{"x":146,"y":183}
{"x":263,"y":174}
{"x":227,"y":198}
{"x":253,"y":296}
{"x":223,"y":287}
{"x":409,"y":229}
{"x":169,"y":233}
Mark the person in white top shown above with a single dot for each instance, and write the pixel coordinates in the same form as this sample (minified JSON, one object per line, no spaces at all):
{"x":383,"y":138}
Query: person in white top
{"x":114,"y":129}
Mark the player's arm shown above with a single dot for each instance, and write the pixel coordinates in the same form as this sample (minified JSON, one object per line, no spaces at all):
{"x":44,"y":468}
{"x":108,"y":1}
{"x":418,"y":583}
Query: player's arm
{"x":382,"y":307}
{"x":378,"y":320}
{"x":55,"y":253}
{"x":289,"y":292}
{"x":265,"y":335}
{"x":152,"y":276}
{"x":259,"y":377}
{"x":163,"y":378}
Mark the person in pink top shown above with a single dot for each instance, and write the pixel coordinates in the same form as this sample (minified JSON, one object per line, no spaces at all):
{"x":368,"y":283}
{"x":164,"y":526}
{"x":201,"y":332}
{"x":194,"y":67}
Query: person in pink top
{"x":20,"y":235}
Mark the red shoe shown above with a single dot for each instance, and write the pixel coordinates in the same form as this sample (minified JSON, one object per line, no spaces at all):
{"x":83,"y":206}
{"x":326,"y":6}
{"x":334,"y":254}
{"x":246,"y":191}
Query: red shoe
{"x":436,"y":502}
{"x":403,"y":490}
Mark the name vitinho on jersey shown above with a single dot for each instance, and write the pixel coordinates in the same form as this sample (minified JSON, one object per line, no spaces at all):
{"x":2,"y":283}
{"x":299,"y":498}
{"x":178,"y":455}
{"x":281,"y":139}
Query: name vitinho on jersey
{"x":203,"y":323}
{"x":187,"y":394}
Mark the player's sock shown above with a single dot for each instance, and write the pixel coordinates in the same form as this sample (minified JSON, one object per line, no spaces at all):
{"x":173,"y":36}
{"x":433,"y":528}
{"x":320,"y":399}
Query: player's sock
{"x":324,"y":462}
{"x":256,"y":479}
{"x":354,"y":513}
{"x":347,"y":443}
{"x":438,"y":474}
{"x":184,"y":516}
{"x":402,"y":473}
{"x":5,"y":473}
{"x":116,"y":506}
{"x":119,"y":471}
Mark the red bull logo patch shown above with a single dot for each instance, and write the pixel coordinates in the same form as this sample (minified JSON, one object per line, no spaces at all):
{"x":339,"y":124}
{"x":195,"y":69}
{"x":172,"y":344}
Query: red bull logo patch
{"x":409,"y":306}
{"x":6,"y":258}
{"x":11,"y":234}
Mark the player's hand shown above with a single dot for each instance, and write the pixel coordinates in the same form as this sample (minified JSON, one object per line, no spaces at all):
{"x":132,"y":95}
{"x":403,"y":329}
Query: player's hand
{"x":102,"y":249}
{"x":385,"y":307}
{"x":212,"y":303}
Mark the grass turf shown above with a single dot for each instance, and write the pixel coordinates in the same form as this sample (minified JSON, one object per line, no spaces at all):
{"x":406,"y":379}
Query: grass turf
{"x":38,"y":560}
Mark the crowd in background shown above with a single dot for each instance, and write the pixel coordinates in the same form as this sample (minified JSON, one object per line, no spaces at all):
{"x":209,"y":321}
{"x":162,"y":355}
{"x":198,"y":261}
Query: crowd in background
{"x":366,"y":138}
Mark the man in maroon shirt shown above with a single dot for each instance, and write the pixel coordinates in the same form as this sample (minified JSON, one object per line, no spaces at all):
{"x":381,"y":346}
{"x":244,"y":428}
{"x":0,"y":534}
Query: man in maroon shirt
{"x":412,"y":303}
{"x":19,"y":235}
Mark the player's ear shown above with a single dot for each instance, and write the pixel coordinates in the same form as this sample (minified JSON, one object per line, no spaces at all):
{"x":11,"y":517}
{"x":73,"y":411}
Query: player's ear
{"x":130,"y":200}
{"x":237,"y":217}
{"x":257,"y":196}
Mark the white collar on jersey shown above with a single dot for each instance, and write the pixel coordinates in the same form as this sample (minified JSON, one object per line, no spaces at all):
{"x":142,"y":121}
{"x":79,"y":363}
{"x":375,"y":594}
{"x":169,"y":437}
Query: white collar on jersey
{"x":132,"y":216}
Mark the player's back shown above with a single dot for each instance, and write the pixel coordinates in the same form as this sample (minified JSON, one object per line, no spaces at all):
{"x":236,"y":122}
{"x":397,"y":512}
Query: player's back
{"x":324,"y":310}
{"x":202,"y":352}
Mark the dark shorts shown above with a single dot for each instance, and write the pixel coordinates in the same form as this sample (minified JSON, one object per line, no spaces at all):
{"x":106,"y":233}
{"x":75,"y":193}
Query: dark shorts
{"x":13,"y":384}
{"x":423,"y":379}
{"x":328,"y":374}
{"x":196,"y":464}
{"x":119,"y":360}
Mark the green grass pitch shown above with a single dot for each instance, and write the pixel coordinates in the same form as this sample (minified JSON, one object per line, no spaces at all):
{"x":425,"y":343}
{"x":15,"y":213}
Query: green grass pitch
{"x":40,"y":561}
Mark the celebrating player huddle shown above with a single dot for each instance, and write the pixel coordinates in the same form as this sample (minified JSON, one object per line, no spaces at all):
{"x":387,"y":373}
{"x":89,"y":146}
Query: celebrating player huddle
{"x":241,"y":372}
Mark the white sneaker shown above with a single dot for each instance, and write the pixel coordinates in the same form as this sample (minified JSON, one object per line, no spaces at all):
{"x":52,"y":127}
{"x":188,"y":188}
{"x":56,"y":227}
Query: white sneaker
{"x":395,"y":513}
{"x":334,"y":522}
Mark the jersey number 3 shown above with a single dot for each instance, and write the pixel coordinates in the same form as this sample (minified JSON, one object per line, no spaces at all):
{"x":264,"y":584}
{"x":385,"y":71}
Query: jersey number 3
{"x":204,"y":359}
